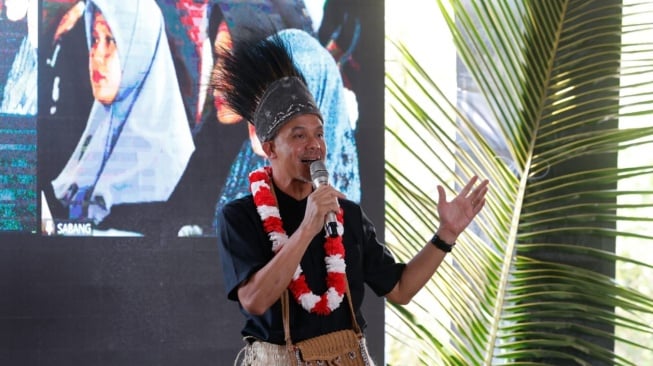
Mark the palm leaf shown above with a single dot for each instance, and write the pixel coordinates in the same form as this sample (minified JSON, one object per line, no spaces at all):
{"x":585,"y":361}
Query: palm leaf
{"x":532,"y":281}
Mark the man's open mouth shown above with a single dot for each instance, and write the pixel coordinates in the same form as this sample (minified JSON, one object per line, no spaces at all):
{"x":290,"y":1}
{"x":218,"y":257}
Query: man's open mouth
{"x":309,"y":161}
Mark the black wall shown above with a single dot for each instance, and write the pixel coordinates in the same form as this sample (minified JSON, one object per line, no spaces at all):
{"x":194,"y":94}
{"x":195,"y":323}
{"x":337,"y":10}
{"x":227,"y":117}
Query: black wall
{"x":124,"y":301}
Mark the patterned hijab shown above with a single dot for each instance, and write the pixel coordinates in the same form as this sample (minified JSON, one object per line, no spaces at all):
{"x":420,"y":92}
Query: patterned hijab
{"x":325,"y":83}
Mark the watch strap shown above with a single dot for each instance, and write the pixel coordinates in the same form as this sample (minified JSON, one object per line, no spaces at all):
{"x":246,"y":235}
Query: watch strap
{"x":441,"y":244}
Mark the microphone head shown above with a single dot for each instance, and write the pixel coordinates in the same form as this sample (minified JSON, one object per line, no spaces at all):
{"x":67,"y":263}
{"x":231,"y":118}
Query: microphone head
{"x":319,"y":171}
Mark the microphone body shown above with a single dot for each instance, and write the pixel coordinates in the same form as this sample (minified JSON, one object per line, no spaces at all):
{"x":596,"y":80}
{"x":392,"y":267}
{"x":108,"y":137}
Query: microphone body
{"x":320,"y":177}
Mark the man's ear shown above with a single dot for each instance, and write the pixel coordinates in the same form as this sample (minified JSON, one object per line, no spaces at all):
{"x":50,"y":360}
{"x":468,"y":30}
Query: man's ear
{"x":268,"y":149}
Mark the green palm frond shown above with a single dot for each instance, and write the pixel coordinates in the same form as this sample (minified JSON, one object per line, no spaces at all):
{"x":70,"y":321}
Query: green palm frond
{"x":532,"y":281}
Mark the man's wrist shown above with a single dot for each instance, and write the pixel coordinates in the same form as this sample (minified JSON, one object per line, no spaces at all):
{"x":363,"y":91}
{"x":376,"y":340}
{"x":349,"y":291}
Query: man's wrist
{"x":444,"y":233}
{"x":439,"y":243}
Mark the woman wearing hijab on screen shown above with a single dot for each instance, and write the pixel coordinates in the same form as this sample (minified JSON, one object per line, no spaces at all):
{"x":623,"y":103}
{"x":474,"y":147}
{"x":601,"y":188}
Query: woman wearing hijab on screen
{"x":137,"y":141}
{"x":325,"y":83}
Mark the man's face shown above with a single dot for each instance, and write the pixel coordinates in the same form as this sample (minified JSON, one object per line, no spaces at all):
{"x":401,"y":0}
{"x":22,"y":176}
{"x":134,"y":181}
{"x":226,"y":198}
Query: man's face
{"x":298,"y":143}
{"x":104,"y":62}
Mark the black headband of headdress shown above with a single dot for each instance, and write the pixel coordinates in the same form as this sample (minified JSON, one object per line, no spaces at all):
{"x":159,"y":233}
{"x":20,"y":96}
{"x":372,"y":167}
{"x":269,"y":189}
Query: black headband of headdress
{"x":262,"y":84}
{"x":282,"y":100}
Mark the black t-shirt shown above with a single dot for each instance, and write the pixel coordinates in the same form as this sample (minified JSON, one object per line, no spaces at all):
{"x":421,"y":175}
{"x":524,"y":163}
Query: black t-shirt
{"x":245,"y":248}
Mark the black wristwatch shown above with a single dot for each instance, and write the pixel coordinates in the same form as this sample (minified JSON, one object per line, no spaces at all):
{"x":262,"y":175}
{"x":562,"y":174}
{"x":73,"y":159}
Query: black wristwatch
{"x":441,"y":244}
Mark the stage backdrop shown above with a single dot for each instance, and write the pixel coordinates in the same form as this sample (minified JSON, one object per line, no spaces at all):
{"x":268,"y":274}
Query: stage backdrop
{"x":108,"y":253}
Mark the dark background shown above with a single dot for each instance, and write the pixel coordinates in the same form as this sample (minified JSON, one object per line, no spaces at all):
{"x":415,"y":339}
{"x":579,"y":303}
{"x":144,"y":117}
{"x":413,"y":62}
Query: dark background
{"x":160,"y":300}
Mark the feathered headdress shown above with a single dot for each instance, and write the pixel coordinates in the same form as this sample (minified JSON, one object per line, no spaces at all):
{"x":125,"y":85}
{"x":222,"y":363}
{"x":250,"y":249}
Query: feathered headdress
{"x":262,"y":84}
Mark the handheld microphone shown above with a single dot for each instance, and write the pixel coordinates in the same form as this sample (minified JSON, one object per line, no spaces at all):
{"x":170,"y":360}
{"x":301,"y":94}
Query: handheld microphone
{"x":320,"y":177}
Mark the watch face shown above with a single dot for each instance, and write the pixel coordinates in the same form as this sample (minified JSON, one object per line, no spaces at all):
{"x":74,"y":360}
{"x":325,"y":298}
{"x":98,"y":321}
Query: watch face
{"x":441,"y":244}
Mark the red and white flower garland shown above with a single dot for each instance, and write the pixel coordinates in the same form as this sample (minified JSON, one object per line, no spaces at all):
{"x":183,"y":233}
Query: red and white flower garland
{"x":266,"y":205}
